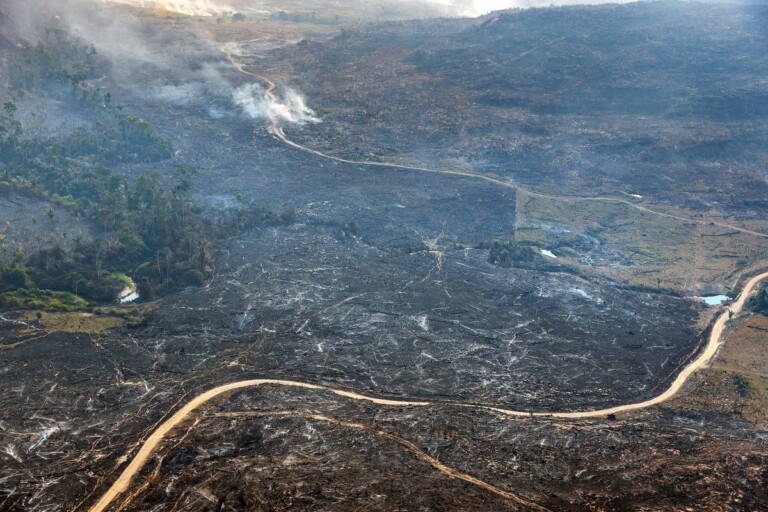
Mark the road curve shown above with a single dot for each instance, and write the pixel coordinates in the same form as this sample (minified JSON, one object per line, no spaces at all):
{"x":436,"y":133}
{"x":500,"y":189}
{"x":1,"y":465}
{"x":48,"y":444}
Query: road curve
{"x":149,"y":445}
{"x":278,"y":132}
{"x":706,"y":356}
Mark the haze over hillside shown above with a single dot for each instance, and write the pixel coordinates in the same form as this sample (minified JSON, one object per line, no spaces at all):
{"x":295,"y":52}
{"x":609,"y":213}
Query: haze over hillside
{"x":442,"y":7}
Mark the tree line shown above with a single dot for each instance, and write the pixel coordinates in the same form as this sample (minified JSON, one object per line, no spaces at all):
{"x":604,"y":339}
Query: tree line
{"x":150,"y":226}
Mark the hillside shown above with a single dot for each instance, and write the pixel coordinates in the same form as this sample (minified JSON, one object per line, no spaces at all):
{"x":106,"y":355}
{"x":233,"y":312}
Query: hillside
{"x":655,"y":98}
{"x":300,"y":258}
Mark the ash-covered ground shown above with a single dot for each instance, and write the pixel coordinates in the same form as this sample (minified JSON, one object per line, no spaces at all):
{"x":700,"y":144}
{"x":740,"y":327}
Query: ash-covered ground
{"x":276,"y":449}
{"x":377,"y":287}
{"x":382,"y":285}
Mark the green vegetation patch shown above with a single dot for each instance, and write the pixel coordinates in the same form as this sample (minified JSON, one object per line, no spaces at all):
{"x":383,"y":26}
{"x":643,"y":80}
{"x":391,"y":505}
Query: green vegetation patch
{"x":47,"y":300}
{"x":153,"y":231}
{"x":122,"y":278}
{"x":508,"y":253}
{"x":759,"y":303}
{"x":75,"y":322}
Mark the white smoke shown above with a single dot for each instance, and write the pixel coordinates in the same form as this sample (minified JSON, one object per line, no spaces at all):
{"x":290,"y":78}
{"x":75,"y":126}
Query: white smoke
{"x":480,"y":7}
{"x":257,"y":104}
{"x":293,"y":109}
{"x":179,"y":95}
{"x":442,"y":7}
{"x":252,"y":100}
{"x":198,"y":87}
{"x":188,"y":7}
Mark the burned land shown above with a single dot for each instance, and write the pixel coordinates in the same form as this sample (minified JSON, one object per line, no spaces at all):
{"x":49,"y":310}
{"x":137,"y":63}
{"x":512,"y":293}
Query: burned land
{"x":606,"y":166}
{"x":654,"y":100}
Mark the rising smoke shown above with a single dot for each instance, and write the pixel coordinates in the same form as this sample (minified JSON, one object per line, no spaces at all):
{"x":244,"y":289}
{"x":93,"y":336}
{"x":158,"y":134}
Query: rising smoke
{"x":257,"y":104}
{"x":188,"y":7}
{"x":480,"y":7}
{"x":141,"y":58}
{"x":219,"y":98}
{"x":442,"y":7}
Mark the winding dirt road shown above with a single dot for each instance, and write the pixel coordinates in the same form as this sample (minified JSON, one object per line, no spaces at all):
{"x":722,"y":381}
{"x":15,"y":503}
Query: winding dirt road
{"x":278,"y":132}
{"x":714,"y":343}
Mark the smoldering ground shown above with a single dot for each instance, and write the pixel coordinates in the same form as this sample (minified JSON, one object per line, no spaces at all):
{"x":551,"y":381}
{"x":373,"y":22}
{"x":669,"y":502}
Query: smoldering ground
{"x":150,"y":63}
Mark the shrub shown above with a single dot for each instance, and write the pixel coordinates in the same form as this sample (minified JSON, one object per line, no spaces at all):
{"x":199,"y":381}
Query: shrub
{"x":759,"y":303}
{"x":46,"y":300}
{"x":505,"y":253}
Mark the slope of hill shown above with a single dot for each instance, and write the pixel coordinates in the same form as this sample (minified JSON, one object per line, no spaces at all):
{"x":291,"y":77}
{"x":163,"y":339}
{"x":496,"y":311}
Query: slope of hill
{"x":662,"y":99}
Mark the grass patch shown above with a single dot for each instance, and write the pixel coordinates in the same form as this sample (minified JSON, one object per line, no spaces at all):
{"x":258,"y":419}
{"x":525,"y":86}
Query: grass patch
{"x":132,"y":317}
{"x":46,"y":300}
{"x":123,"y":278}
{"x":737,"y":382}
{"x":75,"y":322}
{"x":635,"y":246}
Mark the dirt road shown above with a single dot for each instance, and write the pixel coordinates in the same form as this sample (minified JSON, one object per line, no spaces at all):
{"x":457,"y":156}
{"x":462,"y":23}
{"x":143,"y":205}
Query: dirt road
{"x":706,"y":356}
{"x":714,"y":342}
{"x":278,"y":132}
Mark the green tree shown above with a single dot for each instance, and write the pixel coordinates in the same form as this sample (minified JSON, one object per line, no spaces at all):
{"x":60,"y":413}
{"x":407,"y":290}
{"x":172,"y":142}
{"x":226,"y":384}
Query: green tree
{"x":10,"y":108}
{"x":759,"y":303}
{"x":182,"y":179}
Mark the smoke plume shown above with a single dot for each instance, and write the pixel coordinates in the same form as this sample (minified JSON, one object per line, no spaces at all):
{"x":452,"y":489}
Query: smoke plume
{"x":253,"y":100}
{"x":480,"y":7}
{"x":188,"y":7}
{"x":442,"y":7}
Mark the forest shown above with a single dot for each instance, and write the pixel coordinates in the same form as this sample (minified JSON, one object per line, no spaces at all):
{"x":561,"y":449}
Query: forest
{"x":151,"y":228}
